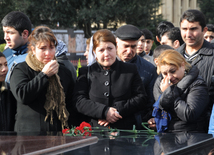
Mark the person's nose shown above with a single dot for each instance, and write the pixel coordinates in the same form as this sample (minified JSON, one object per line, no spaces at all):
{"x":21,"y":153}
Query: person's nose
{"x":4,"y":68}
{"x":86,"y":53}
{"x":169,"y":76}
{"x":106,"y":52}
{"x":188,"y":33}
{"x":6,"y":36}
{"x":209,"y":39}
{"x":48,"y":51}
{"x":129,"y":50}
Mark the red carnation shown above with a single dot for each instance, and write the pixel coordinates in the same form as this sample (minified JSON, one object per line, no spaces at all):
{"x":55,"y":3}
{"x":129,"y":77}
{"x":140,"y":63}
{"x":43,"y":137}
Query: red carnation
{"x":65,"y":131}
{"x":83,"y":128}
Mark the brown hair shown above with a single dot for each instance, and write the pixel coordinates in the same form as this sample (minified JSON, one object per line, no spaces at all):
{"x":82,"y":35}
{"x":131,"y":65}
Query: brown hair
{"x":88,"y":41}
{"x":103,"y":35}
{"x":40,"y":34}
{"x":172,"y":57}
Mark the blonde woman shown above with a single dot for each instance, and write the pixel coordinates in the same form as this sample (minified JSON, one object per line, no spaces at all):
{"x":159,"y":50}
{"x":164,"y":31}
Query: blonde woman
{"x":181,"y":96}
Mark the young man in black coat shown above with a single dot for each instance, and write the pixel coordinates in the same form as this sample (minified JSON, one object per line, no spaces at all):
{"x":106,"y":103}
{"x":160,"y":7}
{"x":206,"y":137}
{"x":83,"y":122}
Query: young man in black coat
{"x":196,"y":50}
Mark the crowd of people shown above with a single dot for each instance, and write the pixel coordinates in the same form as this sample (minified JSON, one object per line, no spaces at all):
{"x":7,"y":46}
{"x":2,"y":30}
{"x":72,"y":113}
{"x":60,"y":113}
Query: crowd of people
{"x":125,"y":82}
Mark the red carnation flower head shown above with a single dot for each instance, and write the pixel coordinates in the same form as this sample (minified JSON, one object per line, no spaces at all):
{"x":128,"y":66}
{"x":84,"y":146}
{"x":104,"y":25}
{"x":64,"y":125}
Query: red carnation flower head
{"x":83,"y":128}
{"x":65,"y":131}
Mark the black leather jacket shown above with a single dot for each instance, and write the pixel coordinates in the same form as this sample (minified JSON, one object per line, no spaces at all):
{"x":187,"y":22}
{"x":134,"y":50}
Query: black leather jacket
{"x":187,"y":102}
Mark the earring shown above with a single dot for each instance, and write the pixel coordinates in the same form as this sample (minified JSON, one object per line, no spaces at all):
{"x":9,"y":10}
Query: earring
{"x":185,"y":72}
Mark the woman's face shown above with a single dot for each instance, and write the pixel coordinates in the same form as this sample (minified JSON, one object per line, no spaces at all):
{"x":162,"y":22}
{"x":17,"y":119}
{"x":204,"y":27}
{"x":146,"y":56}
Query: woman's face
{"x":172,"y":73}
{"x":3,"y":68}
{"x":105,"y":54}
{"x":86,"y":53}
{"x":44,"y":51}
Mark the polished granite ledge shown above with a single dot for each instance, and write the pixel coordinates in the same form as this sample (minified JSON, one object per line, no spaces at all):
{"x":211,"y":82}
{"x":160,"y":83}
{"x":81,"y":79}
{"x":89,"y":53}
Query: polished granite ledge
{"x":12,"y":143}
{"x":31,"y":145}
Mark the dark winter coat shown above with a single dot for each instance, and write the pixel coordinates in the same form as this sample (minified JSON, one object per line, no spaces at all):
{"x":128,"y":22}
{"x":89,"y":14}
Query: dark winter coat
{"x":205,"y":63}
{"x":29,"y":88}
{"x":7,"y":109}
{"x":120,"y":87}
{"x":187,"y":102}
{"x":64,"y":60}
{"x":148,"y":74}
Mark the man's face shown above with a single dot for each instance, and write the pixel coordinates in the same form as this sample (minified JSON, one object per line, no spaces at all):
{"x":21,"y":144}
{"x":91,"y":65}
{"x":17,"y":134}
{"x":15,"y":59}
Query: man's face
{"x":192,"y":33}
{"x":126,"y":49}
{"x":140,"y":44}
{"x":165,"y":41}
{"x":12,"y":37}
{"x":148,"y":45}
{"x":209,"y":35}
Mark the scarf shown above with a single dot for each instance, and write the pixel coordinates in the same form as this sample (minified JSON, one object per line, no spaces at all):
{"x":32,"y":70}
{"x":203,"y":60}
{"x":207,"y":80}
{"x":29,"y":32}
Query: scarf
{"x":61,"y":48}
{"x":162,"y":117}
{"x":55,"y":96}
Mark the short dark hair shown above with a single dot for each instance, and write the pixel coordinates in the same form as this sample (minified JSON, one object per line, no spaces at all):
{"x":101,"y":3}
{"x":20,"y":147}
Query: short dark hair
{"x":18,"y":20}
{"x":2,"y":55}
{"x":194,"y":16}
{"x":163,"y":27}
{"x":210,"y":27}
{"x":147,"y":34}
{"x":175,"y":34}
{"x":142,"y":33}
{"x":159,"y":49}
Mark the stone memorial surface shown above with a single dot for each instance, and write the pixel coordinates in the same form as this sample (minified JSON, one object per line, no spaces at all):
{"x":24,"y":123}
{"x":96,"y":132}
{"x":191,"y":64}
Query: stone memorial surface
{"x":42,"y":144}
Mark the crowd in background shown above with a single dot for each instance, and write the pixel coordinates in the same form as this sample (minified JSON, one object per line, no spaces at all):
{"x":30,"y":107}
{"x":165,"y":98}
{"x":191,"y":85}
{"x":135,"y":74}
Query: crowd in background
{"x":125,"y":82}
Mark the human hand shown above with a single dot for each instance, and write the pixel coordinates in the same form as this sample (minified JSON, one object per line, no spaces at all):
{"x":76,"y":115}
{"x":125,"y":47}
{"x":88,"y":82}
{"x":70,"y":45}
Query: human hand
{"x":165,"y":83}
{"x":152,"y":124}
{"x":113,"y":115}
{"x":51,"y":68}
{"x":103,"y":122}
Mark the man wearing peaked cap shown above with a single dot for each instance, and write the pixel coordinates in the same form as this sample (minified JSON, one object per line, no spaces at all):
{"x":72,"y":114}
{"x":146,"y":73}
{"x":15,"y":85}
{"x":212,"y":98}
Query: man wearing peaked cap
{"x":127,"y":39}
{"x":128,"y":32}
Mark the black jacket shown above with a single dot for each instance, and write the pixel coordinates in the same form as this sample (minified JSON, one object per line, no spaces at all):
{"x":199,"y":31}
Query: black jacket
{"x":120,"y":87}
{"x":148,"y":74}
{"x":7,"y":109}
{"x":204,"y":62}
{"x":29,"y":88}
{"x":64,"y":60}
{"x":187,"y":102}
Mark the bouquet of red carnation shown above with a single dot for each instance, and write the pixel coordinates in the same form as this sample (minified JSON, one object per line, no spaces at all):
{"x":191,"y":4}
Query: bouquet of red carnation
{"x":83,"y":130}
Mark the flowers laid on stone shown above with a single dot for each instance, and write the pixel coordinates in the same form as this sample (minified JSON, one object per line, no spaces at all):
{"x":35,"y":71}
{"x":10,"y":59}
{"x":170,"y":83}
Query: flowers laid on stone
{"x":85,"y":129}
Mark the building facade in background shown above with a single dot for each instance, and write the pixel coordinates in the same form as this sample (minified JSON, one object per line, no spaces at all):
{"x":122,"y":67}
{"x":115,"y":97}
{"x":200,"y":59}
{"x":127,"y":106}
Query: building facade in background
{"x":173,"y":9}
{"x":75,"y":41}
